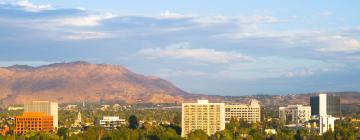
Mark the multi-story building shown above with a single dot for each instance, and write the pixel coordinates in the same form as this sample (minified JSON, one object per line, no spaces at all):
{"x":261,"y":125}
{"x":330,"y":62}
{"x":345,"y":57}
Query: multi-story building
{"x":209,"y":117}
{"x":326,"y":123}
{"x":111,"y":122}
{"x":325,"y":104}
{"x":248,"y":112}
{"x":46,"y":107}
{"x":34,"y":121}
{"x":295,"y":114}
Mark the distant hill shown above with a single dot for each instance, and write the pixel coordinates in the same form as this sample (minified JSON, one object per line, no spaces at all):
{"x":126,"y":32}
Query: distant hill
{"x":82,"y":81}
{"x":304,"y":99}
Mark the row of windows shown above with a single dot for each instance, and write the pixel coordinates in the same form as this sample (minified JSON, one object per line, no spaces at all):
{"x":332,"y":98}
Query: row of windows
{"x":32,"y":125}
{"x":29,"y":128}
{"x":33,"y":119}
{"x":17,"y":122}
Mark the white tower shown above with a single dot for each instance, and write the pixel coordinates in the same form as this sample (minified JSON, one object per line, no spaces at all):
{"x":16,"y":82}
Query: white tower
{"x":78,"y":120}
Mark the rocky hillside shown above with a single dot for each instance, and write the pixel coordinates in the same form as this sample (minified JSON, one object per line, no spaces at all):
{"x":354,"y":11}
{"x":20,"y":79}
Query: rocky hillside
{"x":82,"y":81}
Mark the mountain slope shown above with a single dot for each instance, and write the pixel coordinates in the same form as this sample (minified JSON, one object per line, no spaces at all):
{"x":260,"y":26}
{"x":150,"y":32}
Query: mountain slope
{"x":82,"y":81}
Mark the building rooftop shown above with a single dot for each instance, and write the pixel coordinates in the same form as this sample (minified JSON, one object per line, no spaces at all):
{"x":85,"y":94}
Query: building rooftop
{"x":203,"y":101}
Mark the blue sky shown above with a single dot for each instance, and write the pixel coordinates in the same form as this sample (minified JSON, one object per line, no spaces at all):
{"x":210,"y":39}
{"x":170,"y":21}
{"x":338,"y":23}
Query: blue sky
{"x":210,"y":47}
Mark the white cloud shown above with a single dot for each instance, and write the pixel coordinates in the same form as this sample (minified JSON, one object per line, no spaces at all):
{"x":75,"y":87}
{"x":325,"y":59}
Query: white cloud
{"x":172,"y":15}
{"x":184,"y":51}
{"x":90,"y":20}
{"x":167,"y":73}
{"x":220,"y":19}
{"x":302,"y":73}
{"x":210,"y":20}
{"x":258,"y":19}
{"x":86,"y":35}
{"x":27,"y":5}
{"x":313,"y":40}
{"x":338,"y":44}
{"x":237,"y":21}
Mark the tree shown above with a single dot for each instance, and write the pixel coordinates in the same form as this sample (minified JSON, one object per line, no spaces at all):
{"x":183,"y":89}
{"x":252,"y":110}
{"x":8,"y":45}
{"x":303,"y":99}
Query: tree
{"x":93,"y":133}
{"x":283,"y":134}
{"x":63,"y":133}
{"x":328,"y":135}
{"x":301,"y":134}
{"x":133,"y":122}
{"x":198,"y":135}
{"x":223,"y":135}
{"x":256,"y":134}
{"x":176,"y":119}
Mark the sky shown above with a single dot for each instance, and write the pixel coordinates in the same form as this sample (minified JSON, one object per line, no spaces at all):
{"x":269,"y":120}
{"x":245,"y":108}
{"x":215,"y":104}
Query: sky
{"x":227,"y":47}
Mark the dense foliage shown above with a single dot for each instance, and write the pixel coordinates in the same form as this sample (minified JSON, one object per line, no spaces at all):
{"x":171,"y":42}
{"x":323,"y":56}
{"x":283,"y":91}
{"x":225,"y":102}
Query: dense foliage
{"x":164,"y":124}
{"x":235,"y":130}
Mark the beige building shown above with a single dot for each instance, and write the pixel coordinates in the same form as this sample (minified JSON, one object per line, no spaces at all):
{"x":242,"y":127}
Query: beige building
{"x":248,"y":112}
{"x":294,"y":114}
{"x":209,"y":117}
{"x":46,"y":107}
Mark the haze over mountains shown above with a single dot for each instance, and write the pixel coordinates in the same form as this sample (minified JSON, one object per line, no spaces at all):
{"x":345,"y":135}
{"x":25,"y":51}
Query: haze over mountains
{"x":82,"y":81}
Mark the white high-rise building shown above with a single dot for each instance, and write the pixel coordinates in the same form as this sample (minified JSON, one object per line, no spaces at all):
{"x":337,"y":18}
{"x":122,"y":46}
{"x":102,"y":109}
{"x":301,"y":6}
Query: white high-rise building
{"x":78,"y":120}
{"x":209,"y":117}
{"x":295,"y":114}
{"x":322,"y":104}
{"x":248,"y":112}
{"x":323,"y":107}
{"x":46,"y":107}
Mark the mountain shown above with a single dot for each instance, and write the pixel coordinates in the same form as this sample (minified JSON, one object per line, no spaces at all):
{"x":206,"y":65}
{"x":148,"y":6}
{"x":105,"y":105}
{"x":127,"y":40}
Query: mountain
{"x":82,"y":81}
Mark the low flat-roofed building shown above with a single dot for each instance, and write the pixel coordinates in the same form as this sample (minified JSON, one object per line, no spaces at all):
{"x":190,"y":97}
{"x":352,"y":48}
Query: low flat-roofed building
{"x":248,"y":112}
{"x":34,"y":121}
{"x":111,"y":122}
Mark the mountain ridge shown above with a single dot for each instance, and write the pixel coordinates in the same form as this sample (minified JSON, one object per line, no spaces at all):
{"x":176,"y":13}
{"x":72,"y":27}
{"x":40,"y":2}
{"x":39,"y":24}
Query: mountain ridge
{"x":83,"y":81}
{"x":90,"y":82}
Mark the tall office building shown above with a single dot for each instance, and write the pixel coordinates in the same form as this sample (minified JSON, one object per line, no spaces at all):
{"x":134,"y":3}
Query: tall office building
{"x":209,"y":117}
{"x":46,"y":107}
{"x":325,"y":104}
{"x":248,"y":112}
{"x":294,"y":114}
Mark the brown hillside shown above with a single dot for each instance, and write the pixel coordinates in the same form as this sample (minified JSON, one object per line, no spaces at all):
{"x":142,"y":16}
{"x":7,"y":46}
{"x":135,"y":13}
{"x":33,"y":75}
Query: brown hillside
{"x":82,"y":81}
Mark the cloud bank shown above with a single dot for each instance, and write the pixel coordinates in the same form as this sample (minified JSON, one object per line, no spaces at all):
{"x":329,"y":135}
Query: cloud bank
{"x":238,"y":54}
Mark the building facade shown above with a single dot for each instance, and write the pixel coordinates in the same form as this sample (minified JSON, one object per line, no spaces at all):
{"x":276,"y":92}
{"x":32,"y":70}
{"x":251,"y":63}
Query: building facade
{"x":326,"y":123}
{"x":248,"y":112}
{"x":46,"y":107}
{"x":110,"y":122}
{"x":34,"y":121}
{"x":209,"y":117}
{"x":325,"y":104}
{"x":294,"y":114}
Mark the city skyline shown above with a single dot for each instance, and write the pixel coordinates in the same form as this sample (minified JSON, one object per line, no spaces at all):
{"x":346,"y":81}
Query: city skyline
{"x":223,"y":48}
